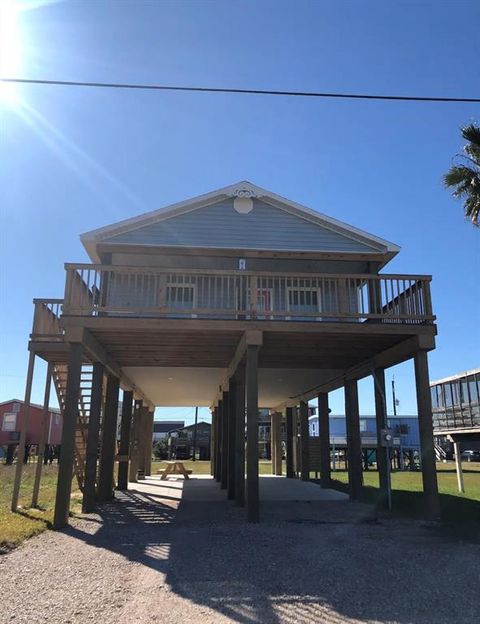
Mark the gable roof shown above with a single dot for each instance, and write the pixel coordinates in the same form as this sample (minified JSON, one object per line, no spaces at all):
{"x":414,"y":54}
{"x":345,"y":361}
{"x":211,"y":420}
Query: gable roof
{"x":210,"y":221}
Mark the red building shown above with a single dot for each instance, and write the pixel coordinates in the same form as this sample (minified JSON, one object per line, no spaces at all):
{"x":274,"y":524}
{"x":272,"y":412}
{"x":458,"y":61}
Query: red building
{"x":11,"y":417}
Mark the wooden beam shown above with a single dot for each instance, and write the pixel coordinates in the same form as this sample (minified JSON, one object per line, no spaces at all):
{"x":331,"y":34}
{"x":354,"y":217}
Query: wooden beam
{"x":213,"y":436}
{"x":23,"y":432}
{"x":219,"y":409}
{"x":135,"y":442}
{"x":125,"y":427}
{"x":425,"y":426}
{"x":240,"y":436}
{"x":381,"y":423}
{"x":253,"y":503}
{"x":217,"y":325}
{"x":148,"y":442}
{"x":389,"y":357}
{"x":225,"y":427}
{"x":290,"y":443}
{"x":43,"y":435}
{"x":250,"y":337}
{"x":277,"y":419}
{"x":142,"y":442}
{"x":109,"y":436}
{"x":458,"y":465}
{"x":324,"y":432}
{"x":70,"y":418}
{"x":97,"y":352}
{"x":93,"y":437}
{"x":354,"y":444}
{"x":232,"y":399}
{"x":304,"y":441}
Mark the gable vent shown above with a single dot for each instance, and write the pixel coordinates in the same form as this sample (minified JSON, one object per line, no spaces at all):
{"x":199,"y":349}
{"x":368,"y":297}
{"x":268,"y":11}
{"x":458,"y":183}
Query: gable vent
{"x":243,"y":205}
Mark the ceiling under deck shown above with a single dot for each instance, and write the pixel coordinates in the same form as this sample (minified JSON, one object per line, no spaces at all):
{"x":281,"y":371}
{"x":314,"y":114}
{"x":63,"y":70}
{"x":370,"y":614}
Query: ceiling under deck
{"x":185,"y":367}
{"x":216,"y":348}
{"x":173,"y":387}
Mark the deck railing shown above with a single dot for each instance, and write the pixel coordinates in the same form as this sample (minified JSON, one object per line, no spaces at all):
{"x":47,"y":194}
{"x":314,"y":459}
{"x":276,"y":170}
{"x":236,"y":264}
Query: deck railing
{"x":104,"y":290}
{"x":46,"y":319}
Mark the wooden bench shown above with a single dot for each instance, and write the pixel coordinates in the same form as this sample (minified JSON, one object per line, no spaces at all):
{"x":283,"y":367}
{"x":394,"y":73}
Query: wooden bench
{"x":174,"y":467}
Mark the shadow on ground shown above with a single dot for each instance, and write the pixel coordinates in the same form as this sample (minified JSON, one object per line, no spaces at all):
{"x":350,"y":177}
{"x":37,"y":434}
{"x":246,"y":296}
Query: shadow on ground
{"x":305,"y":563}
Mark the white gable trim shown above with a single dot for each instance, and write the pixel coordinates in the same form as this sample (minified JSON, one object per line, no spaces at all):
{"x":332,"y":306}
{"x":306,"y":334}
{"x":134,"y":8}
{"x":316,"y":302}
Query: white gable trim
{"x":243,"y":189}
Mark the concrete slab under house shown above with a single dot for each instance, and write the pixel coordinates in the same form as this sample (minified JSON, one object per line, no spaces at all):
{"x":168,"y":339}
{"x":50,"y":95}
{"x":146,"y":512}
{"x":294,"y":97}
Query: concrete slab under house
{"x":235,"y":300}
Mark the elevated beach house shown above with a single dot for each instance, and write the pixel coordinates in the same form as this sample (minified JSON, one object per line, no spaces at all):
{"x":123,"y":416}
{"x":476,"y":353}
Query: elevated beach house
{"x":237,"y":299}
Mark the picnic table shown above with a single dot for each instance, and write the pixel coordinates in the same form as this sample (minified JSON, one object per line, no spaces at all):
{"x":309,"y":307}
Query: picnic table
{"x":174,"y":467}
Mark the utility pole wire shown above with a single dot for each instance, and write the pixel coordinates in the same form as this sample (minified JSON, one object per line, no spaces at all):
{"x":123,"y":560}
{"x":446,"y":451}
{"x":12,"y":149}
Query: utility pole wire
{"x":311,"y":94}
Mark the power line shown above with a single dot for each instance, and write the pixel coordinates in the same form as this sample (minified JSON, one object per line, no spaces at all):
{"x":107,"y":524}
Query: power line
{"x":311,"y":94}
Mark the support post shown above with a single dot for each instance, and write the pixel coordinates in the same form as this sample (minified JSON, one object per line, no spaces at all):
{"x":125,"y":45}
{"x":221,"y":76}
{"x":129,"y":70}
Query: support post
{"x":354,"y":444}
{"x":276,"y":430}
{"x":290,"y":442}
{"x":225,"y":419}
{"x":382,"y":451}
{"x":93,"y":437}
{"x":142,"y":442}
{"x":148,"y":442}
{"x":232,"y":403}
{"x":324,"y":430}
{"x":23,"y":432}
{"x":273,"y":455}
{"x":43,"y":436}
{"x":213,"y":436}
{"x":425,"y":425}
{"x":134,"y":442}
{"x":70,"y":418}
{"x":458,"y":465}
{"x":304,"y":441}
{"x":109,"y":439}
{"x":123,"y":450}
{"x":253,"y":511}
{"x":218,"y":476}
{"x":240,"y":436}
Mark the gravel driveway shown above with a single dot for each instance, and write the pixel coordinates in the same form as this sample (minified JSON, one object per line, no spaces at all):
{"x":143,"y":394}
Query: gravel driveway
{"x":144,"y":558}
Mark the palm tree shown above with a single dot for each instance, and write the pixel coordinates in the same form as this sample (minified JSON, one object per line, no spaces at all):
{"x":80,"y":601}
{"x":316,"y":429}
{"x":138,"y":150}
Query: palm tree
{"x":465,"y":177}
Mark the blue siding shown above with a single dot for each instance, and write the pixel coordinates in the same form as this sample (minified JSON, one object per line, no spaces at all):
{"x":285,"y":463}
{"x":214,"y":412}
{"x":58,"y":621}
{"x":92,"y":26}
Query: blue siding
{"x":221,"y":226}
{"x":338,"y":428}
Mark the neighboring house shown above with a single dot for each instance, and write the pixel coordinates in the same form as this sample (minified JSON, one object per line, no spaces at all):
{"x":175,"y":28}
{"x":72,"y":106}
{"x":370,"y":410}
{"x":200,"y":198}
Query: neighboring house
{"x":181,"y":441}
{"x":456,"y":411}
{"x":11,"y":417}
{"x":175,"y":301}
{"x":405,"y":431}
{"x":406,"y":438}
{"x":161,"y":428}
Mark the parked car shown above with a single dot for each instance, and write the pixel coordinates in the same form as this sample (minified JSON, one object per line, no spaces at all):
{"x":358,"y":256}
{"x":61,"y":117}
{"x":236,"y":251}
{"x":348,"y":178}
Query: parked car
{"x":470,"y":455}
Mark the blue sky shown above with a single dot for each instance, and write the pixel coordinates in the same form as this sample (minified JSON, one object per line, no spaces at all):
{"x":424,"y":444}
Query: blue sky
{"x":72,"y":160}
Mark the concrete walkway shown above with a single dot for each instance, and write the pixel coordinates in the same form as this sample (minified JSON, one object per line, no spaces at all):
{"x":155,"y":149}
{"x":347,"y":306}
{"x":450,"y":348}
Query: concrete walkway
{"x":203,"y":488}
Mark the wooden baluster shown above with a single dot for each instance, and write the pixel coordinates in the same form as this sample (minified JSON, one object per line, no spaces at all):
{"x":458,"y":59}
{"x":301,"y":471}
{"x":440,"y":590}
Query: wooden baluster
{"x":253,"y":296}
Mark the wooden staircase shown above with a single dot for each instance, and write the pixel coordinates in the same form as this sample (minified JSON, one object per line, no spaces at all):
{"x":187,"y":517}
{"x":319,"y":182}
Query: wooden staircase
{"x":84,"y":401}
{"x":440,"y":453}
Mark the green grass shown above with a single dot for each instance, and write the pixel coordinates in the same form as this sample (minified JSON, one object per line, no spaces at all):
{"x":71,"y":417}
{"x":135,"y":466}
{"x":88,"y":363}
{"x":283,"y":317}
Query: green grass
{"x":460,"y":512}
{"x":16,"y":527}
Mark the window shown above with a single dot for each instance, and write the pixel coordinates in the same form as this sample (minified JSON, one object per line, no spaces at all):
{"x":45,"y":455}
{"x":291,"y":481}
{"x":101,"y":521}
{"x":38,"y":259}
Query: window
{"x":448,"y":395}
{"x":473,"y":389}
{"x":9,"y":421}
{"x":401,"y":429}
{"x":363,"y":425}
{"x":180,"y":297}
{"x":303,"y":300}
